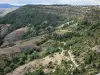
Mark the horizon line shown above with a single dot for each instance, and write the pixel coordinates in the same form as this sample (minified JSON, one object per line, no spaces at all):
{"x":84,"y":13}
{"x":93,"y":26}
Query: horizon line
{"x":52,"y":4}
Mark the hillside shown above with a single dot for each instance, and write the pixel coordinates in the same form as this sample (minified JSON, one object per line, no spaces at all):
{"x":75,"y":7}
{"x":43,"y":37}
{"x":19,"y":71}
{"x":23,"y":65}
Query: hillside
{"x":38,"y":14}
{"x":6,"y":8}
{"x":50,"y":40}
{"x":4,"y":11}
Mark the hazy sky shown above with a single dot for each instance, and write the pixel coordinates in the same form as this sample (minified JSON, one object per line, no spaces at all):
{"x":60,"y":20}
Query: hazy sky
{"x":73,"y":2}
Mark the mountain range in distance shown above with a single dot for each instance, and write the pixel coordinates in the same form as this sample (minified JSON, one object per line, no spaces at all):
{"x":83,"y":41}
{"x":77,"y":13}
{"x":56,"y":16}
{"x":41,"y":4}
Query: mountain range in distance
{"x":12,"y":6}
{"x":8,"y":6}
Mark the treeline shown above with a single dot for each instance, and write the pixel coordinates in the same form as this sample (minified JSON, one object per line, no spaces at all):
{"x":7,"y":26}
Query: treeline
{"x":8,"y":64}
{"x":65,"y":36}
{"x":30,"y":14}
{"x":89,"y":37}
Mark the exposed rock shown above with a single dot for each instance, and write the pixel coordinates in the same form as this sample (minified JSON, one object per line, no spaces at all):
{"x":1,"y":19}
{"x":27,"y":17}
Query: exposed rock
{"x":20,"y":46}
{"x":96,"y":48}
{"x":15,"y":35}
{"x":4,"y":30}
{"x":98,"y":74}
{"x":13,"y":51}
{"x":31,"y":66}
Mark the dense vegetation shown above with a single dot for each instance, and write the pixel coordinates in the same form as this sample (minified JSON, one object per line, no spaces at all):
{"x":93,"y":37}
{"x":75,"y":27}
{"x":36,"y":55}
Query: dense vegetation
{"x":85,"y":37}
{"x":38,"y":16}
{"x":80,"y":38}
{"x":11,"y":63}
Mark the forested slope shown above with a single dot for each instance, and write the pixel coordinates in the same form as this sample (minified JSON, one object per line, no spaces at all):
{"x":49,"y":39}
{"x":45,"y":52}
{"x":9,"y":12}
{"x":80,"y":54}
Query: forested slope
{"x":71,"y":33}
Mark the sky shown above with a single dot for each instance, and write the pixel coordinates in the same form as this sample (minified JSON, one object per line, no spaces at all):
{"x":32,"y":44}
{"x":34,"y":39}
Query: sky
{"x":72,"y":2}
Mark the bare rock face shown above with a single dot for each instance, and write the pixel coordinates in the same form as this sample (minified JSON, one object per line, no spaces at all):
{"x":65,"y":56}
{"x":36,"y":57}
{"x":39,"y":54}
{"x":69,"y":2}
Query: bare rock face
{"x":96,"y":48}
{"x":15,"y":35}
{"x":98,"y":74}
{"x":4,"y":29}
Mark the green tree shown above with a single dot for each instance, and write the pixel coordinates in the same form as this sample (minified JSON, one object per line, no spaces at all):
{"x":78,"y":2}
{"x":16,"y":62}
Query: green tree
{"x":7,"y":70}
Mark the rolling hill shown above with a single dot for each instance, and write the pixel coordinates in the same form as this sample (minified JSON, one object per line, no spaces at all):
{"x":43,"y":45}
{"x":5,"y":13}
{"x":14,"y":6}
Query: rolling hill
{"x":50,"y":40}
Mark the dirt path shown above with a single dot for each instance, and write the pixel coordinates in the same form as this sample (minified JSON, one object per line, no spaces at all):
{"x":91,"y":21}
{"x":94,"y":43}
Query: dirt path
{"x":57,"y":58}
{"x":72,"y":59}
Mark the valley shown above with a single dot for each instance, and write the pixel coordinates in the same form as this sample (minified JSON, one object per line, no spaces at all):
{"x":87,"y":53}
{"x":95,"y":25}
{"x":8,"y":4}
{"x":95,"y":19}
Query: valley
{"x":50,"y":40}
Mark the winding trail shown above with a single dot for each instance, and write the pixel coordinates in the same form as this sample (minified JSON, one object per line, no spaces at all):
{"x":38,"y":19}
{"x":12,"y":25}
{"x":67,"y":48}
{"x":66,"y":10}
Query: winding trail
{"x":31,"y":66}
{"x":72,"y":59}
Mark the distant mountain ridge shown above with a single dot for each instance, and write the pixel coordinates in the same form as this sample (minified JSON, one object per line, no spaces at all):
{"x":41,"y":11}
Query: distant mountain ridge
{"x":7,"y":6}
